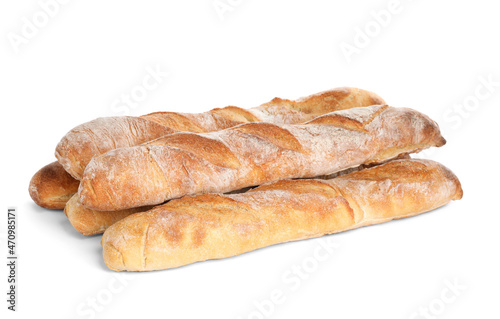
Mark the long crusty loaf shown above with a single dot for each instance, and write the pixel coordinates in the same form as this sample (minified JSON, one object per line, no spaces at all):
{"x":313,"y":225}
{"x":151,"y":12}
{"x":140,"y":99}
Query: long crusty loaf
{"x":51,"y":187}
{"x":78,"y":146}
{"x":91,"y":222}
{"x":252,"y":154}
{"x":212,"y":226}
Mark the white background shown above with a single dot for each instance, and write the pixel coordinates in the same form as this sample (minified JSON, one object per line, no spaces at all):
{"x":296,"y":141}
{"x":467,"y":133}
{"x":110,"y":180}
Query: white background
{"x":430,"y":55}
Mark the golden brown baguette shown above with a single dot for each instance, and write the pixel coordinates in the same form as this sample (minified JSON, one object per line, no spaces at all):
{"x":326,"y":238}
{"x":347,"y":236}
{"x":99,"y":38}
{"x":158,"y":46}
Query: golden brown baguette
{"x":51,"y":187}
{"x":91,"y":222}
{"x":212,"y":226}
{"x":252,"y":154}
{"x":78,"y":146}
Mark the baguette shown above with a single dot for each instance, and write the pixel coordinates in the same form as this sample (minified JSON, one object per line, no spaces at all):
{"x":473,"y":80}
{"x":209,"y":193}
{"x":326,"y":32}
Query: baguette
{"x":213,"y":226}
{"x":78,"y":146}
{"x":91,"y":222}
{"x":51,"y":187}
{"x":252,"y":154}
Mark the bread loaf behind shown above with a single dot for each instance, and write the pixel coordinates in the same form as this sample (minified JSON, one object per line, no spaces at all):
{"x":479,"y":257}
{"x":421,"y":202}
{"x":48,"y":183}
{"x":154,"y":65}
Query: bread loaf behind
{"x":77,"y":147}
{"x":51,"y":187}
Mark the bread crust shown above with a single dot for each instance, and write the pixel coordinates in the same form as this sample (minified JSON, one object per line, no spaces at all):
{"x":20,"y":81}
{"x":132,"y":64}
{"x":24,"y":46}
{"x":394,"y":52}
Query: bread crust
{"x":213,"y":226}
{"x":252,"y":154}
{"x":51,"y":187}
{"x":91,"y":222}
{"x":78,"y":146}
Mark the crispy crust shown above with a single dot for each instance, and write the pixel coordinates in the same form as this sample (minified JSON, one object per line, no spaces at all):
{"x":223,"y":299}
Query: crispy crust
{"x":212,"y":226}
{"x":51,"y":187}
{"x":79,"y":145}
{"x":91,"y":222}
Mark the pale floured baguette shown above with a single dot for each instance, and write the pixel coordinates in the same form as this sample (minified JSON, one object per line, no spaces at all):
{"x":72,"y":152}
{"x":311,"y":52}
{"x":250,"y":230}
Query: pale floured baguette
{"x":78,"y":146}
{"x":51,"y":187}
{"x":252,"y":154}
{"x":212,"y":226}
